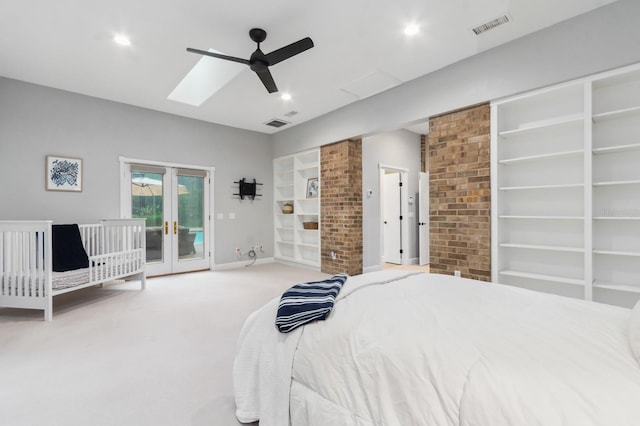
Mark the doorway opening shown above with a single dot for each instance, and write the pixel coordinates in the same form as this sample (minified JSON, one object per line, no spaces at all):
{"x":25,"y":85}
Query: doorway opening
{"x":175,"y":202}
{"x":394,"y":224}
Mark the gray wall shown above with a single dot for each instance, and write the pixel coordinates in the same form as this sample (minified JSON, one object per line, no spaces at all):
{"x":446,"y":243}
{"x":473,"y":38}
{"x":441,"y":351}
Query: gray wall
{"x":605,"y":38}
{"x":399,"y":149}
{"x":36,"y":121}
{"x":600,"y":40}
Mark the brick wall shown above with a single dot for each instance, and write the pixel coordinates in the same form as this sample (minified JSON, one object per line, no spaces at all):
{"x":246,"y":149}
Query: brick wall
{"x":341,"y":207}
{"x":459,"y":180}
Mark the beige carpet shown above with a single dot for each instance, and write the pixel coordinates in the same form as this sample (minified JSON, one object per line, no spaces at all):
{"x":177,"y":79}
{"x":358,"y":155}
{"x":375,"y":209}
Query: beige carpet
{"x":121,"y":356}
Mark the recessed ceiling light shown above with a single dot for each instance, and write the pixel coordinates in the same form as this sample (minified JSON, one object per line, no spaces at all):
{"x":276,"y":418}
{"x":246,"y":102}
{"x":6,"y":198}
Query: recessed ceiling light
{"x":122,"y":40}
{"x":411,"y":30}
{"x":285,"y":97}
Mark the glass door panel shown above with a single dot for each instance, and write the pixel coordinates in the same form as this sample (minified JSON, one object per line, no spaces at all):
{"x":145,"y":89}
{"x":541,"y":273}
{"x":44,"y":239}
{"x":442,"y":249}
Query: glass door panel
{"x":190,"y":217}
{"x":191,"y":213}
{"x":147,"y":202}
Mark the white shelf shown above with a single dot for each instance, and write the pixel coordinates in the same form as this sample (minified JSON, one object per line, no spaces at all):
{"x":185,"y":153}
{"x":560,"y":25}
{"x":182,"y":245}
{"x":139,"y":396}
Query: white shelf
{"x":618,"y":253}
{"x":542,"y":217}
{"x":315,"y":246}
{"x":609,"y":115}
{"x":542,"y":157}
{"x":582,"y":134}
{"x":617,"y":286}
{"x":543,"y":247}
{"x":292,"y":246}
{"x":542,"y":125}
{"x":616,"y":149}
{"x":541,"y":277}
{"x":526,"y":188}
{"x":616,"y":218}
{"x":620,"y":182}
{"x":310,"y":168}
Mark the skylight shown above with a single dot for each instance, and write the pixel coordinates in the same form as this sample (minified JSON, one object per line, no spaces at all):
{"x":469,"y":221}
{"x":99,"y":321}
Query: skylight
{"x":207,"y":77}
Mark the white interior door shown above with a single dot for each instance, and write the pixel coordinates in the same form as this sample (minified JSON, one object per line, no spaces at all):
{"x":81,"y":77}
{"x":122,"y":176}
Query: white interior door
{"x":175,"y":204}
{"x":391,"y":223}
{"x":423,"y":218}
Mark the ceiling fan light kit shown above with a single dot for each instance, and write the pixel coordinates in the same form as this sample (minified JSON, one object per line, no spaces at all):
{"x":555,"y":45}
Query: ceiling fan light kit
{"x":259,"y":62}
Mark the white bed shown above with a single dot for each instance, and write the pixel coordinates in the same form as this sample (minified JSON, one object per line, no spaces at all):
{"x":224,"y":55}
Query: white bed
{"x":425,"y":349}
{"x":115,"y":249}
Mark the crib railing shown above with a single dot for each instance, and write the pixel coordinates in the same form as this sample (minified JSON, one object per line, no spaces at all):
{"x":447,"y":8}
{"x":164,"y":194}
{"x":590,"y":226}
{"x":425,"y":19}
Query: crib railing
{"x":116,"y":249}
{"x":25,"y":270}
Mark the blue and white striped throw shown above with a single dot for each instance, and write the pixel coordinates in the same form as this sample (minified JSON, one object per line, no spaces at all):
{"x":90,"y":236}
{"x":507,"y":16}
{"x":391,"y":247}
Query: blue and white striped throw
{"x":307,"y":302}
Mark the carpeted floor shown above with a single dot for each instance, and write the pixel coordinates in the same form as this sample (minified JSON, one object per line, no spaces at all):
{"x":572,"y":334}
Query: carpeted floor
{"x":121,"y":356}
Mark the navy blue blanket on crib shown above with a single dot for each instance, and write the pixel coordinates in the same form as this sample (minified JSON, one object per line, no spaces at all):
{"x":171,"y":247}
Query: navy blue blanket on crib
{"x":307,"y":302}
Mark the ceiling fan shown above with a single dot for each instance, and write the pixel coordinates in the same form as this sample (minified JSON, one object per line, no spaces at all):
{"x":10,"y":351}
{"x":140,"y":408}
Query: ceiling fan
{"x":259,"y":62}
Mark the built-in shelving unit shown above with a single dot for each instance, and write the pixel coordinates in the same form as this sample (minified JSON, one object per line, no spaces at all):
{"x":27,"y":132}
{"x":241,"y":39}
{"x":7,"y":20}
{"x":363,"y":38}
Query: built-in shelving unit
{"x":566,"y":188}
{"x":294,"y":243}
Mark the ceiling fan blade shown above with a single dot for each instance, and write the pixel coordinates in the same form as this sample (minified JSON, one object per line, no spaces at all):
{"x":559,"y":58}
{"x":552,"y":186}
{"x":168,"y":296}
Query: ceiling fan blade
{"x":218,"y":55}
{"x":289,"y":51}
{"x":267,"y":80}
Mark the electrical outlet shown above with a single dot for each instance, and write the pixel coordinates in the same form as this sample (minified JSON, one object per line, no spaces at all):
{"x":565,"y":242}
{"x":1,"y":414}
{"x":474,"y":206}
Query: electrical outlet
{"x":333,"y":255}
{"x":456,"y":273}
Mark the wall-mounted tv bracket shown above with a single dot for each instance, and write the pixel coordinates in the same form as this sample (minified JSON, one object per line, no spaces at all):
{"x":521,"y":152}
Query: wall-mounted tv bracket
{"x":247,"y":189}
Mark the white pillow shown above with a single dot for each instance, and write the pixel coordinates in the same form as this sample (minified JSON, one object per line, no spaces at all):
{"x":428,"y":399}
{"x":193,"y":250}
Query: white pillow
{"x":634,"y":331}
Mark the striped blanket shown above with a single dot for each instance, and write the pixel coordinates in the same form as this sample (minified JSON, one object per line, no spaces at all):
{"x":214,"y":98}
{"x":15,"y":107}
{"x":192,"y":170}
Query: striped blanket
{"x":307,"y":302}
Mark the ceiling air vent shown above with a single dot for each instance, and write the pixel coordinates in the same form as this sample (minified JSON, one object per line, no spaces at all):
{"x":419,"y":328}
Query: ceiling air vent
{"x":491,"y":24}
{"x":276,"y":123}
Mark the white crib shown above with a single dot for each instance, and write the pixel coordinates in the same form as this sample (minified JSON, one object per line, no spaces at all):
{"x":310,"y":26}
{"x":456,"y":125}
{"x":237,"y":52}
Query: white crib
{"x":115,"y":247}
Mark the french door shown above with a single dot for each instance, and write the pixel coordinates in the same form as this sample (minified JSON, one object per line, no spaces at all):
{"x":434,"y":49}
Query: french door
{"x":175,"y":203}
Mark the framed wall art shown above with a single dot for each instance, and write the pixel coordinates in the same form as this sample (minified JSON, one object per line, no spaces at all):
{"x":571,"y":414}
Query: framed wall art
{"x":63,"y":174}
{"x":313,"y":188}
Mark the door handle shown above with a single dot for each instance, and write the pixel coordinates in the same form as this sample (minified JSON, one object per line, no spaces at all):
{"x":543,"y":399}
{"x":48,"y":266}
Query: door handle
{"x":166,"y":228}
{"x":175,"y":227}
{"x":385,"y":222}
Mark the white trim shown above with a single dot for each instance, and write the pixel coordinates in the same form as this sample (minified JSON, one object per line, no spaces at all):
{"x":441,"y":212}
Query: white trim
{"x":164,"y":164}
{"x":125,"y":201}
{"x":493,"y":171}
{"x":242,"y":264}
{"x":404,"y":209}
{"x":588,"y":191}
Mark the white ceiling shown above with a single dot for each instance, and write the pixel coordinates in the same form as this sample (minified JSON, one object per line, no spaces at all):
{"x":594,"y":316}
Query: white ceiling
{"x":359,"y":48}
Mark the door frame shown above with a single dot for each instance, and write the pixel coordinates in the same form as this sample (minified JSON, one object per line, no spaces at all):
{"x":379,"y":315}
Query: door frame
{"x":423,"y":258}
{"x":404,"y":209}
{"x":125,"y":202}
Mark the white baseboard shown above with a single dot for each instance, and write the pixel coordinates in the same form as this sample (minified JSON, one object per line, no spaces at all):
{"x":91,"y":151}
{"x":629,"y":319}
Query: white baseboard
{"x":413,"y":261}
{"x":242,"y":264}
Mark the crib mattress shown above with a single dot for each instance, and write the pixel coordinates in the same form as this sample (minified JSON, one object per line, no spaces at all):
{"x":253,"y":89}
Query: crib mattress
{"x":63,"y":280}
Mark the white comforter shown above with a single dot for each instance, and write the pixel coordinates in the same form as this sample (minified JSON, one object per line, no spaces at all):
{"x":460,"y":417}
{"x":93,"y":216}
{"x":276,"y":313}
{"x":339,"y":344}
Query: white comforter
{"x":437,"y":350}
